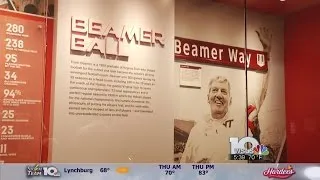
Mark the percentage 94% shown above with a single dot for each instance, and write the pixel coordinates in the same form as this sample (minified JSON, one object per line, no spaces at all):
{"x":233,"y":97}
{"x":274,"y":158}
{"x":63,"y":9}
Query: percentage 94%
{"x":11,"y":93}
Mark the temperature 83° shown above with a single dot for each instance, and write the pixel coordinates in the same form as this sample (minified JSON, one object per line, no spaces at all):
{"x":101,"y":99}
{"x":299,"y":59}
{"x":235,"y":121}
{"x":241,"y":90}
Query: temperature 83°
{"x":203,"y":172}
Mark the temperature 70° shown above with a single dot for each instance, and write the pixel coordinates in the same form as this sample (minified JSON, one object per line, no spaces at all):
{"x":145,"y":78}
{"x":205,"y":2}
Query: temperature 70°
{"x":170,"y":172}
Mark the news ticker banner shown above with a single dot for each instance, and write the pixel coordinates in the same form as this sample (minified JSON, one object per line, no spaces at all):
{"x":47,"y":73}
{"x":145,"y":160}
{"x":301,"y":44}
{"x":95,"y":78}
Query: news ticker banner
{"x":157,"y":171}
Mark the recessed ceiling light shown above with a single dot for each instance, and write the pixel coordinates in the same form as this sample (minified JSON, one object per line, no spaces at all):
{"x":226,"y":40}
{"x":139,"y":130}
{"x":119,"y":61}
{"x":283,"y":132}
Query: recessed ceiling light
{"x":282,"y":0}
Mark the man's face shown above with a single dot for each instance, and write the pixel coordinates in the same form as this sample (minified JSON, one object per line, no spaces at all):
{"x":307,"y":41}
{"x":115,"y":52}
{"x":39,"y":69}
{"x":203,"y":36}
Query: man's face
{"x":219,"y":97}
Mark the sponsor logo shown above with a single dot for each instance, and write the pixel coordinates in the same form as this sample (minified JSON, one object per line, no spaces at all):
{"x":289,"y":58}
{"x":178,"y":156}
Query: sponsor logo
{"x":240,"y":146}
{"x":122,"y":170}
{"x":38,"y":170}
{"x":261,"y":150}
{"x":279,"y":173}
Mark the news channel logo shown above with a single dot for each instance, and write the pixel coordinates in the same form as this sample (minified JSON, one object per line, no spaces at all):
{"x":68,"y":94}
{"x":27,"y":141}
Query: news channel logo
{"x":37,"y":170}
{"x":241,"y":146}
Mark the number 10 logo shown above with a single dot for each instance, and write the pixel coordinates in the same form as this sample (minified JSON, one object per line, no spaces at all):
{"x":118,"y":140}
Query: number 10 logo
{"x":239,"y":147}
{"x":50,"y":171}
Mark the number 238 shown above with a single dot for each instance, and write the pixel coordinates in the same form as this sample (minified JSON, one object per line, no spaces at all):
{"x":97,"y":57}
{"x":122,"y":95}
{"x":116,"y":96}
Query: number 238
{"x":14,"y":43}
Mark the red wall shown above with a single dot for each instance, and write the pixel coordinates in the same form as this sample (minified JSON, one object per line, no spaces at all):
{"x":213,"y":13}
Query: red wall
{"x":302,"y":73}
{"x":48,"y":73}
{"x":46,"y":134}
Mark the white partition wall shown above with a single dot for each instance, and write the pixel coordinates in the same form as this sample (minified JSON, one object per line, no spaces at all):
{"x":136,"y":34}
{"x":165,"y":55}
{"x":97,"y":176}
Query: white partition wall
{"x":113,"y":81}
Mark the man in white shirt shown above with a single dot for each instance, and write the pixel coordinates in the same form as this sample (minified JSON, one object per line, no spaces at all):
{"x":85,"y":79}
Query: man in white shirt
{"x":208,"y":140}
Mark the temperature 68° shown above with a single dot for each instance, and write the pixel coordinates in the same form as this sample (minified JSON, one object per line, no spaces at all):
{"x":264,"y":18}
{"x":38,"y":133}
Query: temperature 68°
{"x":104,"y":170}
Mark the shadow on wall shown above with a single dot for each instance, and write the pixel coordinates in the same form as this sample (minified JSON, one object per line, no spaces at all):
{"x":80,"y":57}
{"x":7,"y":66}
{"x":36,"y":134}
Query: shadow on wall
{"x":182,"y":130}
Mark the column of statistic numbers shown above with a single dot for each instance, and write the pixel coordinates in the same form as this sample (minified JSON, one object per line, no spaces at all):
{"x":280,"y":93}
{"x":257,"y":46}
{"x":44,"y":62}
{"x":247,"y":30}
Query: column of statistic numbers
{"x":21,"y":98}
{"x":10,"y":91}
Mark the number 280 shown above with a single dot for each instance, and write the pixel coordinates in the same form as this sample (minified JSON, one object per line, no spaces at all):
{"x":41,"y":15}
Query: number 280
{"x":15,"y":28}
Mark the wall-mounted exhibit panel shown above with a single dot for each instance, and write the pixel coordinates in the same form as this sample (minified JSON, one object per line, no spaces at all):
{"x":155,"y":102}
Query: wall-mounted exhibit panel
{"x":22,"y":86}
{"x":222,"y":100}
{"x":113,"y":96}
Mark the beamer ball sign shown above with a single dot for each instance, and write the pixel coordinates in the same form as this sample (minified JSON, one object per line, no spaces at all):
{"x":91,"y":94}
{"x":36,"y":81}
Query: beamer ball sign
{"x":88,"y":35}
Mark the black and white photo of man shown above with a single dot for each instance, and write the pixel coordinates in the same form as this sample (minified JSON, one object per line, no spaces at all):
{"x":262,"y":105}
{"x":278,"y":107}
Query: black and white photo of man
{"x":208,"y":141}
